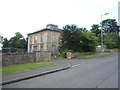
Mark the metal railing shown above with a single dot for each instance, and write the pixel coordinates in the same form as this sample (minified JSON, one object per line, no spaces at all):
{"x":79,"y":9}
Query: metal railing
{"x":13,"y":50}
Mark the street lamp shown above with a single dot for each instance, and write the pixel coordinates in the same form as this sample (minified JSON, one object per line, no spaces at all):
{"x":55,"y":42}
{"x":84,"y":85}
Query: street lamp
{"x":102,"y":32}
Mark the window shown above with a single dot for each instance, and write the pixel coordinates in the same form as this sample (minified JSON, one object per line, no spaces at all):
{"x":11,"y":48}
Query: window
{"x":53,"y":36}
{"x":42,"y":37}
{"x":35,"y":39}
{"x":30,"y":39}
{"x":35,"y":48}
{"x":41,"y":47}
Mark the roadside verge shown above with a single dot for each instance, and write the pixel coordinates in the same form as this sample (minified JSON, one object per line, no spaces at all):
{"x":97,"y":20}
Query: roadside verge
{"x":41,"y":73}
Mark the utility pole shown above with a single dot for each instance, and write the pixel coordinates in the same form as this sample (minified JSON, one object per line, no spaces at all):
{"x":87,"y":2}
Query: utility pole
{"x":102,"y":33}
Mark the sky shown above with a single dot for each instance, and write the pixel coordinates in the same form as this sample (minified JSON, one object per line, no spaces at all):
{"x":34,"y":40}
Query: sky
{"x":27,"y":16}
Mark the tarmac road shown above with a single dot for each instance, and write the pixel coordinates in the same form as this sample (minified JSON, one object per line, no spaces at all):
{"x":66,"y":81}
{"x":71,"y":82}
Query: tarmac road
{"x":99,"y":72}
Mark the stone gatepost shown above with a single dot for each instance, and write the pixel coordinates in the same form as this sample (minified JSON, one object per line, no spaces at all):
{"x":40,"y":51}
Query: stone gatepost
{"x":37,"y":53}
{"x":47,"y":55}
{"x":69,"y":55}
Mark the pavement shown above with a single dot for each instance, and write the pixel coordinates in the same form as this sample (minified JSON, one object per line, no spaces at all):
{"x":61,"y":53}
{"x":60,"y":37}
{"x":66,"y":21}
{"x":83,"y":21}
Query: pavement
{"x":11,"y":78}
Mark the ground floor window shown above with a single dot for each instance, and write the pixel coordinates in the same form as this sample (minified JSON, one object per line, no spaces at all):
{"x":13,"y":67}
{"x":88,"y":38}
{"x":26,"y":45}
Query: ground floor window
{"x":35,"y":48}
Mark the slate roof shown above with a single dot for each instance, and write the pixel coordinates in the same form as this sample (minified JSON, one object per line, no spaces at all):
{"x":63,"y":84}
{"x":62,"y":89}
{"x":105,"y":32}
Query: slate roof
{"x":50,"y":29}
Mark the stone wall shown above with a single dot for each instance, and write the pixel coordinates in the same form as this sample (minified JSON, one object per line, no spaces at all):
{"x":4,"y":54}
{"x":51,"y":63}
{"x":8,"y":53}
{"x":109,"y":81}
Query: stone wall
{"x":13,"y":59}
{"x":70,"y":55}
{"x":43,"y":56}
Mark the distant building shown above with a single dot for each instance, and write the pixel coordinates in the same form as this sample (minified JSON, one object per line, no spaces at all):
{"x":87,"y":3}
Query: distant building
{"x":44,"y":40}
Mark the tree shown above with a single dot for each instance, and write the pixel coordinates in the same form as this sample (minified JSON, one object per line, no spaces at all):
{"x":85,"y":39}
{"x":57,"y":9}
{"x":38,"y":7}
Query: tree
{"x":111,"y":40}
{"x":72,"y":38}
{"x":17,"y":41}
{"x":95,"y":29}
{"x":83,"y":29}
{"x":5,"y":43}
{"x":89,"y":42}
{"x":110,"y":25}
{"x":69,"y":38}
{"x":16,"y":44}
{"x":111,"y":33}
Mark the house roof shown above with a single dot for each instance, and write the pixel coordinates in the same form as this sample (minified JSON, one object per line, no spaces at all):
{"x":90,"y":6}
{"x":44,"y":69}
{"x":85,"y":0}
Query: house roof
{"x":50,"y":27}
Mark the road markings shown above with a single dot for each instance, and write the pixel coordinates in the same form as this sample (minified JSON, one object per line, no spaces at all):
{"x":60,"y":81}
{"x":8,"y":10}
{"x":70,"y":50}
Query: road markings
{"x":77,"y":65}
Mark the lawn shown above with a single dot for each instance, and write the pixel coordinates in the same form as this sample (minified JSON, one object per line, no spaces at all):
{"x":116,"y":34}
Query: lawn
{"x":24,"y":67}
{"x":93,"y":55}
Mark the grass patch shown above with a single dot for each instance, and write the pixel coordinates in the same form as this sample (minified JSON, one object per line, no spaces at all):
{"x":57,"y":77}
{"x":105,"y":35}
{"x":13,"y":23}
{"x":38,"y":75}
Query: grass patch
{"x":115,"y":50}
{"x":93,"y":55}
{"x":24,"y":67}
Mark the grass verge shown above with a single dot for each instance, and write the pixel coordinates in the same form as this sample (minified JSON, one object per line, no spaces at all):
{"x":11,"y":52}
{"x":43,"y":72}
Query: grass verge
{"x":24,"y":67}
{"x":93,"y":55}
{"x":115,"y":50}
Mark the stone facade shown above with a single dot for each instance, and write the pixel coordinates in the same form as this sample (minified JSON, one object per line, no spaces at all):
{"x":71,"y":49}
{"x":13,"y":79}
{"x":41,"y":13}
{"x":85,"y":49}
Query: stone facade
{"x":44,"y":40}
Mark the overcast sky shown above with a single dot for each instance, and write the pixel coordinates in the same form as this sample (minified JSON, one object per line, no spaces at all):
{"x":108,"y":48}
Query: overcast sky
{"x":27,"y":16}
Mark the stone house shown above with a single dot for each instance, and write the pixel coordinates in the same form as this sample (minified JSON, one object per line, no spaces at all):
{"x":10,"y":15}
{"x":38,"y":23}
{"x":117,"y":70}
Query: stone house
{"x":46,"y":39}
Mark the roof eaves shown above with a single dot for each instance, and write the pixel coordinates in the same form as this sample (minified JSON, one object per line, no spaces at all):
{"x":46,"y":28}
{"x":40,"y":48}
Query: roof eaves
{"x":57,"y":30}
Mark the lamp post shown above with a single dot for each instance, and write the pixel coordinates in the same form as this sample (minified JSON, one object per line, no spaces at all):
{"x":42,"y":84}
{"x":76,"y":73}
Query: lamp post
{"x":102,"y":32}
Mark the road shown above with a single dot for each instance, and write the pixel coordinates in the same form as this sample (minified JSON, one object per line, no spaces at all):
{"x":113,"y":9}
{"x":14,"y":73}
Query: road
{"x":99,"y":72}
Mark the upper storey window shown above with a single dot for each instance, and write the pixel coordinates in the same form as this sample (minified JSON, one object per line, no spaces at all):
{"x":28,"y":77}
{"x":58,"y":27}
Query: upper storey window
{"x":35,"y":39}
{"x":30,"y":39}
{"x":42,"y":37}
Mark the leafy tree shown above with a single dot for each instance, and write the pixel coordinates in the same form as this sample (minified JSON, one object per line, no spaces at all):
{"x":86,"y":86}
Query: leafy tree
{"x":69,"y":38}
{"x":110,"y":25}
{"x":95,"y":29}
{"x":111,"y":31}
{"x":83,"y":29}
{"x":72,"y":38}
{"x":89,"y":42}
{"x":17,"y":41}
{"x":5,"y":43}
{"x":16,"y":44}
{"x":111,"y":40}
{"x":25,"y":44}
